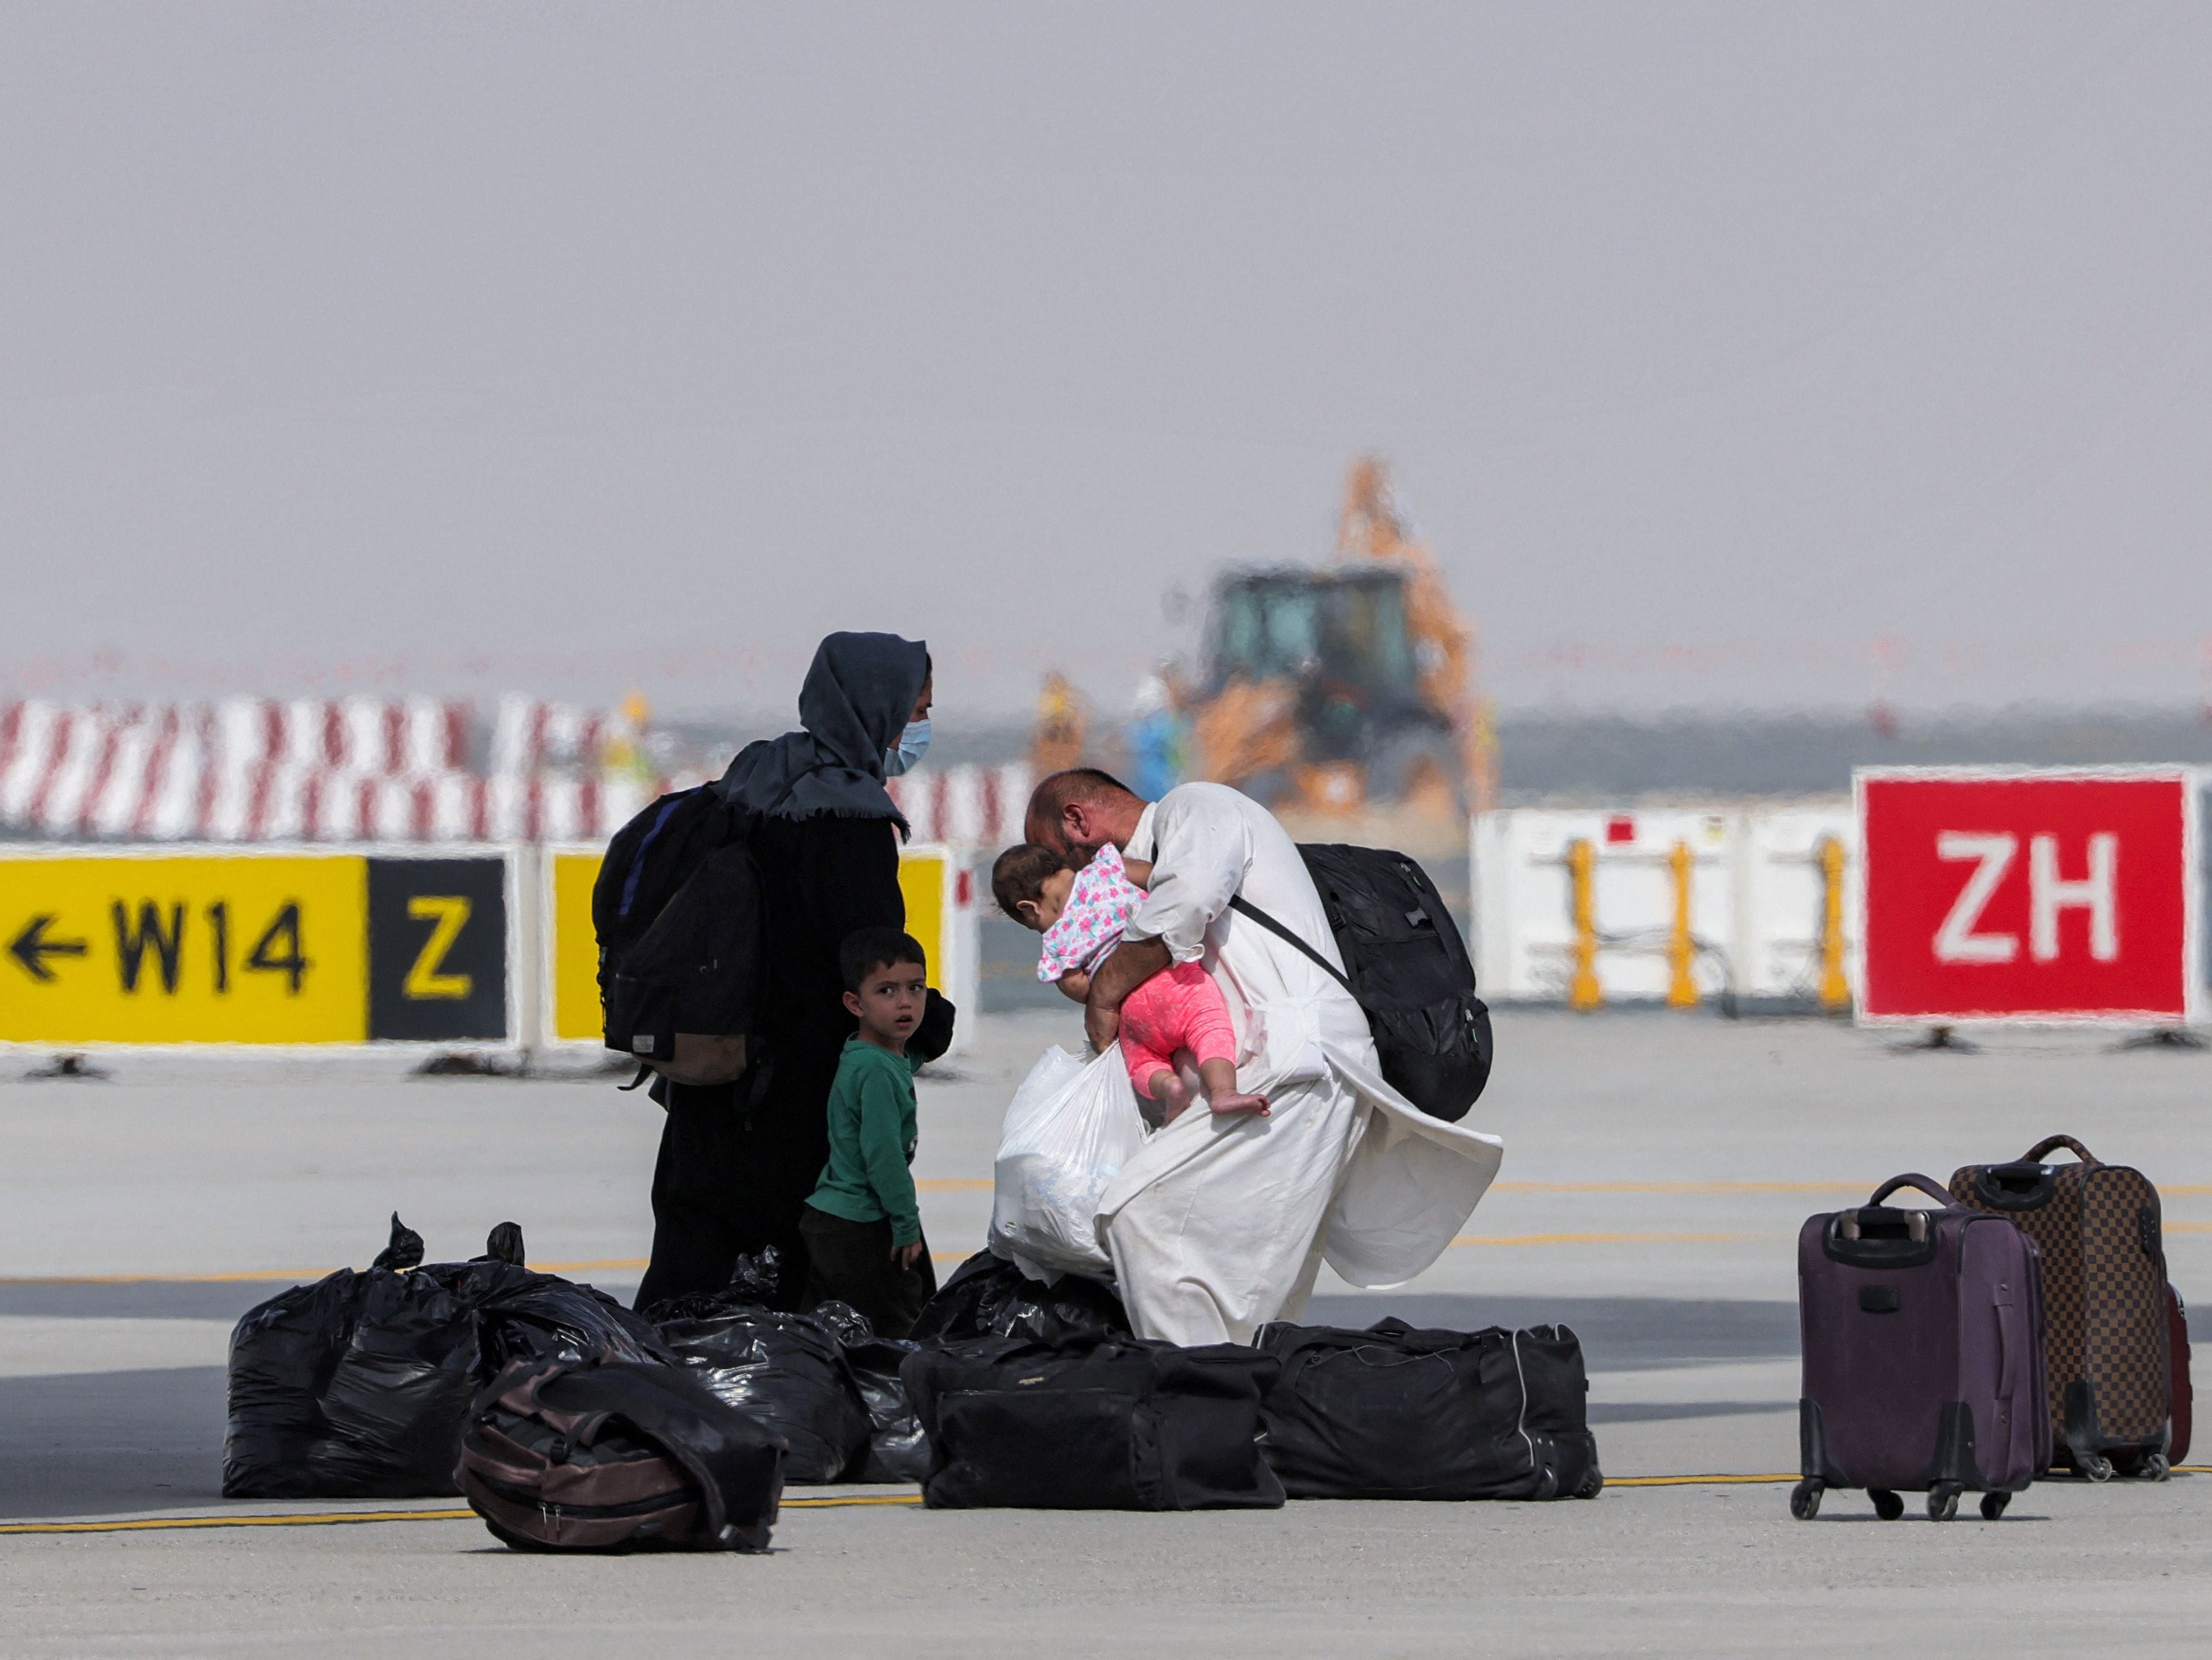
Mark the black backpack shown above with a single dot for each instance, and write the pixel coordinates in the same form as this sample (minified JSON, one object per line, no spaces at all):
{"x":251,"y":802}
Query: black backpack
{"x":677,"y":908}
{"x":1406,"y":966}
{"x":617,"y":1456}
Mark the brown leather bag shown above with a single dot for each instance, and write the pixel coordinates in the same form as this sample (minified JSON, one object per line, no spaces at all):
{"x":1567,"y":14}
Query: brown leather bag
{"x":2103,"y":1293}
{"x":617,"y":1456}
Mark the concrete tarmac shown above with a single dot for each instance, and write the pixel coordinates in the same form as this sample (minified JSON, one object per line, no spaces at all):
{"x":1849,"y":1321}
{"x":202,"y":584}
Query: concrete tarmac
{"x":1657,"y":1170}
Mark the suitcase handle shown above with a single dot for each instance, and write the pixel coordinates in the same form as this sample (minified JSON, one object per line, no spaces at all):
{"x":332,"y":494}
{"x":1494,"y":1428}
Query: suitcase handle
{"x":2050,"y":1142}
{"x":2008,"y":1343}
{"x":1914,"y":1179}
{"x":2011,"y":1187}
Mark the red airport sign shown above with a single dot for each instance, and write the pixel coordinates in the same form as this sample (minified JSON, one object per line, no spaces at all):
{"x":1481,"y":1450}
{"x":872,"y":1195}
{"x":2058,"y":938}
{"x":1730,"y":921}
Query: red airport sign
{"x":2028,"y":897}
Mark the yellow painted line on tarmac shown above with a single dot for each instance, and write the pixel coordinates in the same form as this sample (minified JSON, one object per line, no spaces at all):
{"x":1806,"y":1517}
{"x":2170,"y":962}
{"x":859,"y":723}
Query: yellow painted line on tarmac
{"x":625,"y":1262}
{"x":1600,"y":1238}
{"x":164,"y":1280}
{"x":844,"y":1501}
{"x":304,"y":1519}
{"x":982,"y":1184}
{"x":340,"y":1518}
{"x":1693,"y":1480}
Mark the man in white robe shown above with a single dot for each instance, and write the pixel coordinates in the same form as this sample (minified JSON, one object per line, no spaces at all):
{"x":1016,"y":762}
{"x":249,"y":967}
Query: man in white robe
{"x":1221,"y":1225}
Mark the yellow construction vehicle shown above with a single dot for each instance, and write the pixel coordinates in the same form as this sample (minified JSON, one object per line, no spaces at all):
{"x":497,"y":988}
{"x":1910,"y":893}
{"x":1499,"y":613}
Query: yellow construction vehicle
{"x":1329,"y":689}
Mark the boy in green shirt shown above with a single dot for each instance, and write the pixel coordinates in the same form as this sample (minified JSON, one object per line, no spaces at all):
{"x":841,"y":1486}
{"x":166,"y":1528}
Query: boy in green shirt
{"x":863,"y":1225}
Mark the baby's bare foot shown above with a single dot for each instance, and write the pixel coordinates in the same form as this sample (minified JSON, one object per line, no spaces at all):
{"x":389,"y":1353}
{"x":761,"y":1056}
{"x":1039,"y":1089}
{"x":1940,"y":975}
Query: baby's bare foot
{"x":1224,"y":1105}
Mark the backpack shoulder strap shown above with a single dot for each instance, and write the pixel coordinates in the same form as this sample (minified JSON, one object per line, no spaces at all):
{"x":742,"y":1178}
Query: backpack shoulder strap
{"x":1244,"y":907}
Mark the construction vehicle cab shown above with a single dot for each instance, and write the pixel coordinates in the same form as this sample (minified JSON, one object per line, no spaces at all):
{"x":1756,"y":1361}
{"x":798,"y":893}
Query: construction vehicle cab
{"x":1313,"y":692}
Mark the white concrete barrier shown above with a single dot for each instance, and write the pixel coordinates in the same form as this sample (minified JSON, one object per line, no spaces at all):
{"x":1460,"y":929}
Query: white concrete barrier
{"x":1756,"y":912}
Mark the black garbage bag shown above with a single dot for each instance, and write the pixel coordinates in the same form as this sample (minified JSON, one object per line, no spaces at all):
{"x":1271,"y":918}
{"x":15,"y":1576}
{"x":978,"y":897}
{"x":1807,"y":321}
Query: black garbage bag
{"x":846,"y":1323}
{"x":540,"y":1316}
{"x":403,"y":1250}
{"x":755,"y":1277}
{"x":898,"y":1450}
{"x":358,"y":1386}
{"x":989,"y":1297}
{"x":787,"y":1371}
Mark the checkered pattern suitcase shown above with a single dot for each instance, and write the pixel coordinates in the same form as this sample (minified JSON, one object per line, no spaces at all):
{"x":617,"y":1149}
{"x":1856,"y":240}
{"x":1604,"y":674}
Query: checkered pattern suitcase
{"x":2105,"y":1311}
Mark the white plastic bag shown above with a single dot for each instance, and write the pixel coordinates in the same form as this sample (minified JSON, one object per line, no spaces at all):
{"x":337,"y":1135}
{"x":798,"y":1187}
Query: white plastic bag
{"x":1069,"y":1129}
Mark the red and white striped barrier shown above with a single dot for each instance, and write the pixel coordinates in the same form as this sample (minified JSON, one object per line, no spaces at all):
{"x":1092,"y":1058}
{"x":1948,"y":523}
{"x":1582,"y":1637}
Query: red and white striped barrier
{"x":353,"y":769}
{"x":370,"y":769}
{"x":528,"y":736}
{"x":970,"y":806}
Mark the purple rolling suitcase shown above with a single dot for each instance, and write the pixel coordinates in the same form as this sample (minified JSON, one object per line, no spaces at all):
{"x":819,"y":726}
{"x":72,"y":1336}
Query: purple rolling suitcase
{"x":1922,"y":1333}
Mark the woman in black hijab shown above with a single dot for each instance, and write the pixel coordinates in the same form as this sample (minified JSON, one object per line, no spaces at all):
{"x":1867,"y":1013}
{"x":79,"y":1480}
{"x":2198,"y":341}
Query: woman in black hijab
{"x":738,"y":1160}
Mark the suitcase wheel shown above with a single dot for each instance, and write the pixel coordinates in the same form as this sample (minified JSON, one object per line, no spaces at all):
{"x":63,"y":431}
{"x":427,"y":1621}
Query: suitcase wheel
{"x":2154,"y":1467}
{"x":1887,"y":1504}
{"x":1805,"y":1500}
{"x":1993,"y":1504}
{"x":2096,"y":1466}
{"x":1943,"y":1501}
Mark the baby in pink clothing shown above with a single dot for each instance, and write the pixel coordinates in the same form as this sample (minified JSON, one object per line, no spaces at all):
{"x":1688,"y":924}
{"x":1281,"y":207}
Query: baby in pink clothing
{"x":1081,"y":915}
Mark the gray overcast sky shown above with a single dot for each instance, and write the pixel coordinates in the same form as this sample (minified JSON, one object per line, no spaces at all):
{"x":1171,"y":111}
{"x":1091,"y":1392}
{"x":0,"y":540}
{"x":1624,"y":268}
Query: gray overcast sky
{"x":1729,"y":354}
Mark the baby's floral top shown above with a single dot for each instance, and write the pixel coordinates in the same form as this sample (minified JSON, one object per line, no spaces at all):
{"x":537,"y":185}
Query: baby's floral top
{"x":1098,"y":906}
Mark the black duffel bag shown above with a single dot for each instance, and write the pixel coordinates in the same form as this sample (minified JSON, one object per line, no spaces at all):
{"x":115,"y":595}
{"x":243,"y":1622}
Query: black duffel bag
{"x":1397,"y":1413}
{"x":1406,"y":966}
{"x":1095,"y":1423}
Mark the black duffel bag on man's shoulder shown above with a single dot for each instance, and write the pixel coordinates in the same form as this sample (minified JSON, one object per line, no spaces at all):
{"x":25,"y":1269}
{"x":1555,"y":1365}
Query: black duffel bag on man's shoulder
{"x":1406,"y":967}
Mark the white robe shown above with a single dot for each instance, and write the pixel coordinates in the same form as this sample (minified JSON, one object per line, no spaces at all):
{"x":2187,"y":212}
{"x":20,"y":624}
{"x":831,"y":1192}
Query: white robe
{"x":1218,"y":1226}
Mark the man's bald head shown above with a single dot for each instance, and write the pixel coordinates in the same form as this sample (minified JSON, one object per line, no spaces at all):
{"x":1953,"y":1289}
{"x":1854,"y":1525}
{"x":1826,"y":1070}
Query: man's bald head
{"x":1077,"y":812}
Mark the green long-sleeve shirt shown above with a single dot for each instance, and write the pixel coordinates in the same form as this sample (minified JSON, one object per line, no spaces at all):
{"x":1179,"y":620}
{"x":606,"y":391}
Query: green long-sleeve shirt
{"x":872,"y":1141}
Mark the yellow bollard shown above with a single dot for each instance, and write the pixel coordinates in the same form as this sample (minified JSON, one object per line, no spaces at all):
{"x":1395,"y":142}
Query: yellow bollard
{"x":1835,"y":990}
{"x":1584,"y":992}
{"x":1681,"y":949}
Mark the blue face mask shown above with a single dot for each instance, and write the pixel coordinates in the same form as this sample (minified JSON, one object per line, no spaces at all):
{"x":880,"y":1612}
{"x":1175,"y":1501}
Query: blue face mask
{"x":912,"y":744}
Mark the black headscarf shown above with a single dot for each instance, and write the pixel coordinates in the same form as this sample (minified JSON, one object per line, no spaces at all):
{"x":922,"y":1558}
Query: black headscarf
{"x":856,"y":702}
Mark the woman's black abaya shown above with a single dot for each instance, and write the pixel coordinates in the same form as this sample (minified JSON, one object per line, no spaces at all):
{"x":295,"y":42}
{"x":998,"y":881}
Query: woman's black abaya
{"x":737,"y":1161}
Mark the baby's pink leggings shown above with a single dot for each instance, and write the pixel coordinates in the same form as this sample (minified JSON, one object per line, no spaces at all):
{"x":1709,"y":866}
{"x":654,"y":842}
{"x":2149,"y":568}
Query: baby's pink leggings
{"x":1178,"y":1008}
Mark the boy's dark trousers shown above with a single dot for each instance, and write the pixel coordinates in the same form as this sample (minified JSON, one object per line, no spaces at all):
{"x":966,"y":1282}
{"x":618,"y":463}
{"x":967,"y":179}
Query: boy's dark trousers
{"x":851,"y":1263}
